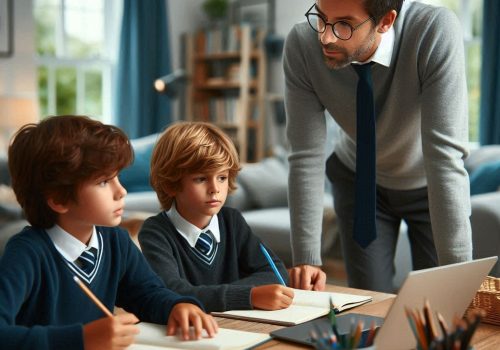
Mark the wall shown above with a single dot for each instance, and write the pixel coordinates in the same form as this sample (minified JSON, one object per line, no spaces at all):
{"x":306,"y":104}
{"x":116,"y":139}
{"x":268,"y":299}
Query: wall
{"x":288,"y":12}
{"x":18,"y":78}
{"x":18,"y":72}
{"x":184,"y":16}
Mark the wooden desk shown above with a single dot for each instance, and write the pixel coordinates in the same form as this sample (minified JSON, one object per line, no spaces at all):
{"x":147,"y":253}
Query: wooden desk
{"x":487,"y":337}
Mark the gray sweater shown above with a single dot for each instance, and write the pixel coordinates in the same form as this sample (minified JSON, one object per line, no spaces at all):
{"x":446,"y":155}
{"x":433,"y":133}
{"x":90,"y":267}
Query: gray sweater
{"x":224,"y":285}
{"x":422,"y":127}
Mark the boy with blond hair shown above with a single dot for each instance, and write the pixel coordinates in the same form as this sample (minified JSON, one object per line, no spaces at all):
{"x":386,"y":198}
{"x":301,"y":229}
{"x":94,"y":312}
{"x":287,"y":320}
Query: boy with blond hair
{"x":65,"y":176}
{"x":197,"y":246}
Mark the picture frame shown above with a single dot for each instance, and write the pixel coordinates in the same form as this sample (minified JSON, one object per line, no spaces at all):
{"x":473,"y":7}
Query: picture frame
{"x":6,"y":28}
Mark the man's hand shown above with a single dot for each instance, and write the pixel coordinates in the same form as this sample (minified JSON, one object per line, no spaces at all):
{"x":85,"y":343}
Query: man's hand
{"x":307,"y":277}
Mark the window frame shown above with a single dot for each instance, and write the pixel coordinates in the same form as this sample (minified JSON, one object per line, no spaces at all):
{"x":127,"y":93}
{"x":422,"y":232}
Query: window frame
{"x":105,"y":64}
{"x":465,"y":16}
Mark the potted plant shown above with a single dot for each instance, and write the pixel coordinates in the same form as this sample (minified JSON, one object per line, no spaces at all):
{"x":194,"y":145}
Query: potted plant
{"x":216,"y":10}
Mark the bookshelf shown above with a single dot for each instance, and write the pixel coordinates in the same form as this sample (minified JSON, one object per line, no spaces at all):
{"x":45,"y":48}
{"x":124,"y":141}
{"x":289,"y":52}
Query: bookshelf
{"x":227,"y":67}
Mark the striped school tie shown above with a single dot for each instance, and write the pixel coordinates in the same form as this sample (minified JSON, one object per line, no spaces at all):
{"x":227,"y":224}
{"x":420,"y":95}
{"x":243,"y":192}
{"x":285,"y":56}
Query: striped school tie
{"x":205,"y":243}
{"x":206,"y":247}
{"x":86,"y":261}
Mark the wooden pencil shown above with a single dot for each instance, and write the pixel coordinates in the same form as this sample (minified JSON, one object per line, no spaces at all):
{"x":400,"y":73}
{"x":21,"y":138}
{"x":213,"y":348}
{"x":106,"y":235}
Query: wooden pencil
{"x":92,"y":297}
{"x":431,"y":328}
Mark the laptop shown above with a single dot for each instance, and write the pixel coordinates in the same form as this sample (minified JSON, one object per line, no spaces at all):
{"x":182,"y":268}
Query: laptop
{"x":449,"y":289}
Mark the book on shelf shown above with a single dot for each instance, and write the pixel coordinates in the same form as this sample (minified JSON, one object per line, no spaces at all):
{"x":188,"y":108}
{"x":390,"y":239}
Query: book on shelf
{"x":306,"y":306}
{"x":153,"y":336}
{"x":227,"y":39}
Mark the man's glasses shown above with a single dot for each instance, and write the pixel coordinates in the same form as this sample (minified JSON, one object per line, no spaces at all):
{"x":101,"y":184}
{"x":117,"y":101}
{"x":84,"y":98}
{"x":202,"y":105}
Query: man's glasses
{"x":341,"y":29}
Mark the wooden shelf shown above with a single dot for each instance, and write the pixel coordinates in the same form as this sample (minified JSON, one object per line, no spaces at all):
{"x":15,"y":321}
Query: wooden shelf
{"x":224,"y":85}
{"x":228,"y":84}
{"x":224,"y":56}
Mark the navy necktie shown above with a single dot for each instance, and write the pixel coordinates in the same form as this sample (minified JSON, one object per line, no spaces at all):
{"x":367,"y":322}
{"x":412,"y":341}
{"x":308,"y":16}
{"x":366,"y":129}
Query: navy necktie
{"x":365,"y":205}
{"x":205,"y":243}
{"x":87,"y":259}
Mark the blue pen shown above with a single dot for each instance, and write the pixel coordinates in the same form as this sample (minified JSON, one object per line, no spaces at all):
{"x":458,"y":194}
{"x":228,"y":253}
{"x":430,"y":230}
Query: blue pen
{"x":271,"y":263}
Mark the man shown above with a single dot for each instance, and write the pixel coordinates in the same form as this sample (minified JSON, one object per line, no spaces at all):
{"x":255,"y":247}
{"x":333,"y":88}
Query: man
{"x":419,"y":130}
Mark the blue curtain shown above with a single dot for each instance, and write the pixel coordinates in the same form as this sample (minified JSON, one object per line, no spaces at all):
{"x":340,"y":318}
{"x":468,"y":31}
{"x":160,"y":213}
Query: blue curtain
{"x":489,"y":132}
{"x":144,"y":56}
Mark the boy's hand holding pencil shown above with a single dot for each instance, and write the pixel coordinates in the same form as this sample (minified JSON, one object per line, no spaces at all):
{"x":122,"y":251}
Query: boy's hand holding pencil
{"x":116,"y":332}
{"x":271,"y":297}
{"x":111,"y":332}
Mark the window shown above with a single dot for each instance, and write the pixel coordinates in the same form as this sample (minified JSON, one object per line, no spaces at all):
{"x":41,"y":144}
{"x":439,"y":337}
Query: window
{"x":470,"y":13}
{"x":76,"y":44}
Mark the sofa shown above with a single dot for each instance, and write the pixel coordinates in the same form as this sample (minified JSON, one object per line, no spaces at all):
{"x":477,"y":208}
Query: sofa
{"x":265,"y":208}
{"x":483,"y":166}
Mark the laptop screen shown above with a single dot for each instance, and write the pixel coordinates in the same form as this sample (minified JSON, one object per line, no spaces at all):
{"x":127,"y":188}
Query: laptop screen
{"x":449,"y":289}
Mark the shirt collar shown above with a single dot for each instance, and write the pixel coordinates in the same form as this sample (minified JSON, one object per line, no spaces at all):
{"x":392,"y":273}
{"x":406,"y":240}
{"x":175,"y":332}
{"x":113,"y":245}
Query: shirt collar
{"x":69,"y":246}
{"x":189,"y":231}
{"x":383,"y":53}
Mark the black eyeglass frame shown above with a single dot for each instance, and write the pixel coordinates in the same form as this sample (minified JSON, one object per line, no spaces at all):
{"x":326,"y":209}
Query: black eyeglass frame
{"x":353,"y":28}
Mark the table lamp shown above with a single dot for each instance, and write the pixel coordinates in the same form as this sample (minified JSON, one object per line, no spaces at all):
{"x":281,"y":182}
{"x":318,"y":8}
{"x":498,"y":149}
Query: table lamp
{"x":171,"y":84}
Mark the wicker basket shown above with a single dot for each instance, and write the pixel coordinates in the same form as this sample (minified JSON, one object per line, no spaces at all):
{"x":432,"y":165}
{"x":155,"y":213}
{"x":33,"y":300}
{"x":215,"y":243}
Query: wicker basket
{"x":488,"y":299}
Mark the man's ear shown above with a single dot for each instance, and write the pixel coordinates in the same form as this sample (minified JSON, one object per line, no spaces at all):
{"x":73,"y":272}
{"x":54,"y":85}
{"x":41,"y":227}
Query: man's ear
{"x":387,"y":21}
{"x":56,"y":205}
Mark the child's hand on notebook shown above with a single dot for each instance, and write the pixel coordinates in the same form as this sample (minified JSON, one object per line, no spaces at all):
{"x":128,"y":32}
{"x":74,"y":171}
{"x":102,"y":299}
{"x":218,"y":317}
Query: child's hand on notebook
{"x":271,"y":297}
{"x":115,"y":332}
{"x":186,"y":315}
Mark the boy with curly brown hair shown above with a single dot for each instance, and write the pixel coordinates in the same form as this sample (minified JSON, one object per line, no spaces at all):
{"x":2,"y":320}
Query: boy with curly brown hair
{"x":65,"y":176}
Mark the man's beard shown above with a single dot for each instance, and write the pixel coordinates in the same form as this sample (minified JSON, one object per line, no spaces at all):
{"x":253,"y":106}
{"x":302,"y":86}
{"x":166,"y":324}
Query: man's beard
{"x":346,"y":57}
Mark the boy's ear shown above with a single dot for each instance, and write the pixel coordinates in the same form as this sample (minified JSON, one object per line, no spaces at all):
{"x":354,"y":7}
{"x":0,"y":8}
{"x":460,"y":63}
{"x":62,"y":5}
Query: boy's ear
{"x":56,"y":205}
{"x":170,"y":191}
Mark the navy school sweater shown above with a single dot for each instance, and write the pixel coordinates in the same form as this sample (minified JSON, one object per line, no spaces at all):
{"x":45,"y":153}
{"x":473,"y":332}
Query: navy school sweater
{"x":41,"y":306}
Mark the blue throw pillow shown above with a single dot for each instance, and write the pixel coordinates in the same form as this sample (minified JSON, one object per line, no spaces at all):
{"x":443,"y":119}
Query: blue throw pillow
{"x":485,"y":178}
{"x":135,"y":178}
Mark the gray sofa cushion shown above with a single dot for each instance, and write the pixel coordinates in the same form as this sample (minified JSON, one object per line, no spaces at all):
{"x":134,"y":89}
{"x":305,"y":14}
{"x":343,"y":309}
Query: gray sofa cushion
{"x":265,"y":183}
{"x":485,"y":223}
{"x":239,"y":199}
{"x":482,"y":155}
{"x":273,"y":227}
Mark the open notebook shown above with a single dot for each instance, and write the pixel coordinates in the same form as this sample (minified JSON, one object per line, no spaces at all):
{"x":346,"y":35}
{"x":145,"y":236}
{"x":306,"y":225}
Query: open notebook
{"x":152,"y":336}
{"x":306,"y":306}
